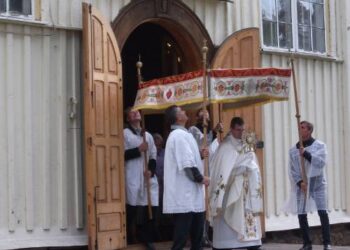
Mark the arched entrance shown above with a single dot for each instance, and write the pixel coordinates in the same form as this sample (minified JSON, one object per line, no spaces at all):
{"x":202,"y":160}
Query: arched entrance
{"x":167,"y":36}
{"x":173,"y":16}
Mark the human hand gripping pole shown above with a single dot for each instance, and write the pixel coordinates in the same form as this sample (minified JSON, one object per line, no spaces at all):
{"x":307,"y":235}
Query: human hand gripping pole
{"x":145,"y":158}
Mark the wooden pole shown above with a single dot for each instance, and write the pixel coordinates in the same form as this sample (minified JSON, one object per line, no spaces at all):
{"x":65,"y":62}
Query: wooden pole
{"x":145,"y":158}
{"x":220,"y":137}
{"x":205,"y":121}
{"x":297,"y":115}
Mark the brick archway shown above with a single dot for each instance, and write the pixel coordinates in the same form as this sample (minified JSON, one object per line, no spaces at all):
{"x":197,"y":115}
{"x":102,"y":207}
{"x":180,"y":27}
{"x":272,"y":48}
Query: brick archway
{"x":175,"y":17}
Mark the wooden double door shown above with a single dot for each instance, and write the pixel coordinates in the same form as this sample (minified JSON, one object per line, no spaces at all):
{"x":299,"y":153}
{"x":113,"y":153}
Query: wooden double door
{"x":103,"y":121}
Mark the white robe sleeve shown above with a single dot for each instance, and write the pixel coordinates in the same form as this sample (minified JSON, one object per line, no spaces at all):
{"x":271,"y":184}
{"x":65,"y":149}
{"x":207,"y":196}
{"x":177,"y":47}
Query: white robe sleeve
{"x":318,"y":159}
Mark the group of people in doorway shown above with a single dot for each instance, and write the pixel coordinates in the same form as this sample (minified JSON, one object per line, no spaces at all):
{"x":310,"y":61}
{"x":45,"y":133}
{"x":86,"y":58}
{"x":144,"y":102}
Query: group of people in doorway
{"x":233,"y":206}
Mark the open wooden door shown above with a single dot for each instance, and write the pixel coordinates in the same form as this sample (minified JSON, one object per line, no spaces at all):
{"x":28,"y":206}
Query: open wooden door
{"x":241,"y":50}
{"x":103,"y":137}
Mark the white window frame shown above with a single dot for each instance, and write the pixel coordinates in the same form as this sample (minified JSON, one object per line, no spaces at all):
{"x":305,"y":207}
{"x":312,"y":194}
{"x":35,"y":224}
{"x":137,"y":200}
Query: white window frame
{"x":295,"y":36}
{"x":9,"y":15}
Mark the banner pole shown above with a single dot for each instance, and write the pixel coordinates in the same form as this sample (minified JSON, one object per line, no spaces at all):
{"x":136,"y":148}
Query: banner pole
{"x":205,"y":121}
{"x":145,"y":161}
{"x":297,"y":115}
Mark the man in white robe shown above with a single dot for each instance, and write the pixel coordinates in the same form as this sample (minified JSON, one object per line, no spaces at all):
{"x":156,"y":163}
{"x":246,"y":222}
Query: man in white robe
{"x":139,"y":227}
{"x":235,"y":192}
{"x":314,"y":153}
{"x":183,"y":182}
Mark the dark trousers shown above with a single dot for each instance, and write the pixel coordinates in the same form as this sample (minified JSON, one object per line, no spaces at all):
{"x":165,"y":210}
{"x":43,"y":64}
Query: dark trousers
{"x":188,"y":224}
{"x":304,"y":227}
{"x":139,"y":227}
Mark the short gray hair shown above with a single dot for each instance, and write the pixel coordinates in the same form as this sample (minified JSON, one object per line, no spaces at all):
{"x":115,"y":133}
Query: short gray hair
{"x":309,"y":125}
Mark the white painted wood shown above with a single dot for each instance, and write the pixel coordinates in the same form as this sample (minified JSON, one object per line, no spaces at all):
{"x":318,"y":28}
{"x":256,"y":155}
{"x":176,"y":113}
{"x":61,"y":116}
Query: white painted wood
{"x":255,"y":22}
{"x":346,"y":33}
{"x":268,"y":158}
{"x":62,"y":107}
{"x":10,"y":118}
{"x":45,"y":128}
{"x":335,"y":132}
{"x":237,"y":16}
{"x":229,"y":18}
{"x":3,"y":132}
{"x":328,"y":132}
{"x":28,"y":142}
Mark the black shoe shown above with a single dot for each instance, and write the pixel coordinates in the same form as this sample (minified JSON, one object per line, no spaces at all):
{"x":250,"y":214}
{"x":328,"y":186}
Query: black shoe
{"x":255,"y":248}
{"x":150,"y":246}
{"x":306,"y":247}
{"x":327,"y":247}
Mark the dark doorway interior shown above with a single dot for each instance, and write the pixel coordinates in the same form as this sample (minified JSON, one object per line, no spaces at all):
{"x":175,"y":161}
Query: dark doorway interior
{"x":161,"y":56}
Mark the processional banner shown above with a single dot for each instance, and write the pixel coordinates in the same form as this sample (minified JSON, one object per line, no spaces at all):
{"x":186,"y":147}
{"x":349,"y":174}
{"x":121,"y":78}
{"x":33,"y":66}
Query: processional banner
{"x":233,"y":87}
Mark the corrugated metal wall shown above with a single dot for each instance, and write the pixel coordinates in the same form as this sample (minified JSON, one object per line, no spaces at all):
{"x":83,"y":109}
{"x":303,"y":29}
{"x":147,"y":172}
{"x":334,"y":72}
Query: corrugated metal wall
{"x":41,"y":179}
{"x":67,"y":13}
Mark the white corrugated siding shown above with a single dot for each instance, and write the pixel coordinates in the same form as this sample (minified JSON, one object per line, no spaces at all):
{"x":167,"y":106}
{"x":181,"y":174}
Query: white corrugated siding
{"x":41,"y":176}
{"x":227,"y":16}
{"x":41,"y":186}
{"x":344,"y":8}
{"x":68,"y":13}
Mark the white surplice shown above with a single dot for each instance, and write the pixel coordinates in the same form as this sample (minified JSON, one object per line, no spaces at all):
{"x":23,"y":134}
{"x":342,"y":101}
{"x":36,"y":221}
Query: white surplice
{"x":315,"y":173}
{"x":181,"y":194}
{"x":235,"y":196}
{"x":135,"y":183}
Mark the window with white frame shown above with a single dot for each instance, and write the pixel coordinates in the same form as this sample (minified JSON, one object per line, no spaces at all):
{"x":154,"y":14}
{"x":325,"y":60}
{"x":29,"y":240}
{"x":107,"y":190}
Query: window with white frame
{"x":296,"y":25}
{"x":16,"y":8}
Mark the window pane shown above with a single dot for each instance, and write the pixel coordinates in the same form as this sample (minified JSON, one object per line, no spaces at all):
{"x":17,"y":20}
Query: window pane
{"x":20,"y":7}
{"x":285,"y":36}
{"x":270,"y":33}
{"x":303,"y":13}
{"x":318,"y":16}
{"x":269,"y":10}
{"x":284,"y":11}
{"x":304,"y":37}
{"x":317,"y":1}
{"x":2,"y":6}
{"x":318,"y":40}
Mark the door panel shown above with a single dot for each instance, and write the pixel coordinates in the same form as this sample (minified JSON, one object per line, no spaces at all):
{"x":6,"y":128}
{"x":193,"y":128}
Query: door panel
{"x":240,"y":50}
{"x":103,"y":135}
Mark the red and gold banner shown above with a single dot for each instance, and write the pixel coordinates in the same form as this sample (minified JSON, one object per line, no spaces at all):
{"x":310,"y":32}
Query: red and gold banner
{"x":244,"y":87}
{"x":232,"y":87}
